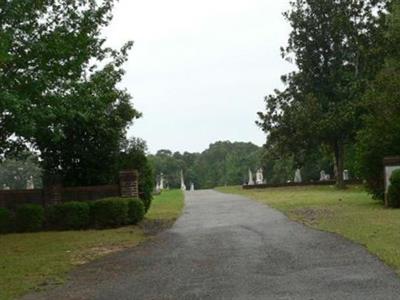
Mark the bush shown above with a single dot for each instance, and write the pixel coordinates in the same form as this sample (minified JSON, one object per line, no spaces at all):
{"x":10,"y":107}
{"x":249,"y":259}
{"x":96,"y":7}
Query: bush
{"x":394,"y":190}
{"x":5,"y":220}
{"x":111,"y":212}
{"x":29,"y":218}
{"x":136,"y":211}
{"x":69,"y":216}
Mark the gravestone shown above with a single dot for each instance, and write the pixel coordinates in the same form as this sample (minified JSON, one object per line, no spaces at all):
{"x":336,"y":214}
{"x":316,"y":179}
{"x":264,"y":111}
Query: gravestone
{"x":5,"y":187}
{"x":192,"y":187}
{"x":346,"y":175}
{"x":129,"y":184}
{"x":322,"y":176}
{"x":161,"y":185}
{"x":297,"y":176}
{"x":391,"y":164}
{"x":29,"y":184}
{"x":259,"y":176}
{"x":183,"y":186}
{"x":251,"y":180}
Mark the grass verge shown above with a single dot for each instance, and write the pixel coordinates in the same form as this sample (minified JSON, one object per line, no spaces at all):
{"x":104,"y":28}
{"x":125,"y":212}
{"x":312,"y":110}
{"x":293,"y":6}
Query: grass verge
{"x":35,"y":261}
{"x":350,"y":213}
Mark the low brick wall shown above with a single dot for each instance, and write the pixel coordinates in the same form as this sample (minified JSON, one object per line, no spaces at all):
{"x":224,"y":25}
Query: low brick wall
{"x":14,"y":198}
{"x":89,"y":193}
{"x":294,"y":184}
{"x":11,"y":199}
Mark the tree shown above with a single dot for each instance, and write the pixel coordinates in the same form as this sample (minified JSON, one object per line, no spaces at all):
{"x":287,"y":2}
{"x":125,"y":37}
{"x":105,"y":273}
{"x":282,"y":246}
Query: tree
{"x":333,"y":44}
{"x":58,"y":87}
{"x":380,"y":135}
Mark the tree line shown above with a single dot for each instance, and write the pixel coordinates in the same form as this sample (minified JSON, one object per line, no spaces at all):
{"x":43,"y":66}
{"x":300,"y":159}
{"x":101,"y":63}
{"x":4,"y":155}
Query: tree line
{"x":343,"y":98}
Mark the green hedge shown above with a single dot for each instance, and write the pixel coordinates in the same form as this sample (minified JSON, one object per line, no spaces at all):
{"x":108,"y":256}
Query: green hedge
{"x":136,"y":211}
{"x":110,"y":212}
{"x":5,"y":220}
{"x":394,"y":190}
{"x":105,"y":213}
{"x":29,"y":218}
{"x":69,"y":216}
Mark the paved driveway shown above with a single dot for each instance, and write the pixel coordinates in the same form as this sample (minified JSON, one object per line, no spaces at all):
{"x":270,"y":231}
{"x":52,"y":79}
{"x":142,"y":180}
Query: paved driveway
{"x":227,"y":247}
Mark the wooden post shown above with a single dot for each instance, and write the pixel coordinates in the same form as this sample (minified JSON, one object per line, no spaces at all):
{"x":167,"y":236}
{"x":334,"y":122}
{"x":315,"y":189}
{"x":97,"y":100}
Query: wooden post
{"x":390,"y":164}
{"x":129,"y":184}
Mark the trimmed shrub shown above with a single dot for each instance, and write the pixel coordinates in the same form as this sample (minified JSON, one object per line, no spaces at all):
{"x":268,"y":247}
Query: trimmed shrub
{"x":110,"y":212}
{"x":69,"y":216}
{"x":29,"y":218}
{"x":394,"y":190}
{"x":136,"y":211}
{"x":5,"y":220}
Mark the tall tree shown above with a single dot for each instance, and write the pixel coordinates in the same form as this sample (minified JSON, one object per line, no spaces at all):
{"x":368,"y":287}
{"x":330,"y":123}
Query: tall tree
{"x":58,"y":86}
{"x":333,"y":44}
{"x":380,"y":135}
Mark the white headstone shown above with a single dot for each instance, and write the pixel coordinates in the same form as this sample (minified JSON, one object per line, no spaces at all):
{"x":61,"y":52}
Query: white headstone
{"x":297,"y":176}
{"x":183,"y":186}
{"x":30,"y":184}
{"x":327,"y":177}
{"x":346,"y":175}
{"x":161,"y":181}
{"x":192,"y":187}
{"x":251,"y":180}
{"x":5,"y":187}
{"x":322,"y":176}
{"x":259,"y":176}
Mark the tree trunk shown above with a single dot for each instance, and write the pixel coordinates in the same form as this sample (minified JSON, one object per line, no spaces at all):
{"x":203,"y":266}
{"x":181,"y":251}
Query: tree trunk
{"x":339,"y":164}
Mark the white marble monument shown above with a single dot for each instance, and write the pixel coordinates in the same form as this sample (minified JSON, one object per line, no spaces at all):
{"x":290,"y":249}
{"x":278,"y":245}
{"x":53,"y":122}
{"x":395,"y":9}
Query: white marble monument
{"x":297,"y":176}
{"x":161,"y":186}
{"x":192,"y":187}
{"x":259,"y":176}
{"x":30,"y":184}
{"x":183,"y":186}
{"x":346,"y":175}
{"x":322,"y":176}
{"x":251,"y":180}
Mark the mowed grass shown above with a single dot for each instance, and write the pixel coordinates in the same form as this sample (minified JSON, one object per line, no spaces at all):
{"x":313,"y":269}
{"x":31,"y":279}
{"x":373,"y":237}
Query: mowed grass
{"x":34,"y":261}
{"x":167,"y":206}
{"x":350,"y":213}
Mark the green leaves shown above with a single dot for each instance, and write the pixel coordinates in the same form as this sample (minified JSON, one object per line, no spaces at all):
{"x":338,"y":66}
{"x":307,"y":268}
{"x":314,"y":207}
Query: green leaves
{"x":58,"y":86}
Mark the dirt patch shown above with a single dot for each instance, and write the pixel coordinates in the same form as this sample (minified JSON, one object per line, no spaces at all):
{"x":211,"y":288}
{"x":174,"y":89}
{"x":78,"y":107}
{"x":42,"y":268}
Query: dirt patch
{"x":312,"y":216}
{"x":154,"y":227}
{"x":92,"y":253}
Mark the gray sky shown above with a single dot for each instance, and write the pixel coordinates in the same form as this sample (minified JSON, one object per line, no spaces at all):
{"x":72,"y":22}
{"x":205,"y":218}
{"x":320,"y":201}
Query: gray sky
{"x":199,"y":70}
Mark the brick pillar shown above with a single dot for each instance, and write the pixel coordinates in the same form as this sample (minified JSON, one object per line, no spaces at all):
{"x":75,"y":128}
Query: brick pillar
{"x":129,"y":184}
{"x":52,"y":190}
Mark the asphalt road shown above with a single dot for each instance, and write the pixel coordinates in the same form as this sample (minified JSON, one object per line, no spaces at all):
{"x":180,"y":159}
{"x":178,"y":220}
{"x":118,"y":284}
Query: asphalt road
{"x":227,"y":247}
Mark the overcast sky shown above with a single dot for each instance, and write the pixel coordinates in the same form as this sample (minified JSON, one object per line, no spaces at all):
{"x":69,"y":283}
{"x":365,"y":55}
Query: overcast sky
{"x":199,"y":70}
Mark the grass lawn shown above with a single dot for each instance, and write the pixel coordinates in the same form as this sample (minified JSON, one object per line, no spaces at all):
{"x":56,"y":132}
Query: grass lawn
{"x":38,"y":260}
{"x":350,"y":213}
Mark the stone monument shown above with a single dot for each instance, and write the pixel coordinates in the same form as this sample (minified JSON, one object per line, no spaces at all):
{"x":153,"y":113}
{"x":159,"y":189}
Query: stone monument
{"x":297,"y":176}
{"x":259,"y":176}
{"x":161,"y":182}
{"x":5,"y":187}
{"x":192,"y":187}
{"x":183,"y":186}
{"x":346,"y":175}
{"x":322,"y":176}
{"x":251,"y":180}
{"x":30,"y":184}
